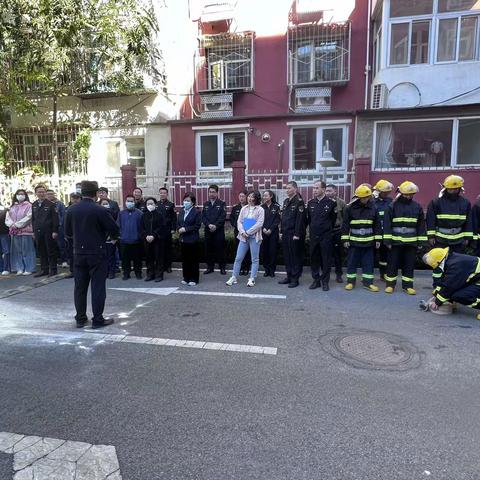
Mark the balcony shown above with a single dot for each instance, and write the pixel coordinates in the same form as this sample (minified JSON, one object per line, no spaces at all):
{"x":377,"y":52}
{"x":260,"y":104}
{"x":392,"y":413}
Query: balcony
{"x":224,"y":62}
{"x":319,"y":54}
{"x":212,"y":12}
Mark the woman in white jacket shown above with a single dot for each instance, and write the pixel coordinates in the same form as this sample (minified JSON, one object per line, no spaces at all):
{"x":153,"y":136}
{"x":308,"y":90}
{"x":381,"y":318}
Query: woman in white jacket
{"x":249,"y":224}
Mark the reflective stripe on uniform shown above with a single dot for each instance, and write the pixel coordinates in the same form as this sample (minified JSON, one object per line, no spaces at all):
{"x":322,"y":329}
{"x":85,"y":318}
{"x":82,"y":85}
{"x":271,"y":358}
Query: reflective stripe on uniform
{"x":383,"y":264}
{"x":476,"y":272}
{"x":437,"y":275}
{"x":361,"y":239}
{"x":359,"y":222}
{"x":407,"y":279}
{"x":442,"y":299}
{"x":367,"y":275}
{"x":422,"y":239}
{"x":404,"y":239}
{"x":453,"y":236}
{"x":391,"y":279}
{"x":448,"y":216}
{"x":476,"y":303}
{"x":405,"y":219}
{"x":345,"y":237}
{"x":351,"y":275}
{"x":430,"y":233}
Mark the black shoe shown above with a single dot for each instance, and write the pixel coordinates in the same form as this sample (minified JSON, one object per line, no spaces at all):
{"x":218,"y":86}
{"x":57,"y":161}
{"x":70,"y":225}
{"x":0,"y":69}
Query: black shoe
{"x":339,"y":279}
{"x":266,"y":274}
{"x":102,"y":323}
{"x":325,"y":287}
{"x":159,"y":278}
{"x":207,"y":271}
{"x":126,"y":277}
{"x":169,"y":270}
{"x":272,"y":274}
{"x":223,"y":271}
{"x":111,"y":276}
{"x":285,"y":281}
{"x":81,"y":323}
{"x":293,"y":284}
{"x":40,"y":274}
{"x":138,"y":276}
{"x":149,"y":279}
{"x":315,"y":284}
{"x":53,"y":273}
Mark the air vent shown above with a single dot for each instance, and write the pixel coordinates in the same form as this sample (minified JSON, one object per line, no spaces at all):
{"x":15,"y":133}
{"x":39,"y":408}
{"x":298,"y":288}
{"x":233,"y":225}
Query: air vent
{"x":379,"y":96}
{"x":217,"y":106}
{"x":313,"y":99}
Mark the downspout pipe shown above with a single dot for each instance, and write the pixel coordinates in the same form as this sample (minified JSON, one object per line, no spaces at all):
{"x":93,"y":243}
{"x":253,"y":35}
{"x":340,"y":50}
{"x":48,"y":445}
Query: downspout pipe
{"x":367,"y":59}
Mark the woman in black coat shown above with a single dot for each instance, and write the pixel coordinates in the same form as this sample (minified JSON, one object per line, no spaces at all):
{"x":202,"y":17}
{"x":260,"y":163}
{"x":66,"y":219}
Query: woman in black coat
{"x":270,"y":233}
{"x":189,"y":223}
{"x":153,"y":231}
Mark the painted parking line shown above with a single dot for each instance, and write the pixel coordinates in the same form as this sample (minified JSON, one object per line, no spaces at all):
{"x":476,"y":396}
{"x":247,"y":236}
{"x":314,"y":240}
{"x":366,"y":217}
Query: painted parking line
{"x":27,"y":288}
{"x":100,"y":337}
{"x":176,"y":290}
{"x":43,"y":458}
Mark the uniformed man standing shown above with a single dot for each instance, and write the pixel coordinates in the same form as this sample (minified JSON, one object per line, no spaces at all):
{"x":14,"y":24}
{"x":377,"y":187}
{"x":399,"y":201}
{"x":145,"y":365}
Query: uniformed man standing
{"x":45,"y":228}
{"x":293,"y":235}
{"x":88,"y":225}
{"x":321,"y":218}
{"x":338,"y":250}
{"x":213,"y":218}
{"x":171,"y":226}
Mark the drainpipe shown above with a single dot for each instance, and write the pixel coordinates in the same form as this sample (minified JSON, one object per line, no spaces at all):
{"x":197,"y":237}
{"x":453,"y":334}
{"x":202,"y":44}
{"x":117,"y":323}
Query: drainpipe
{"x":367,"y":60}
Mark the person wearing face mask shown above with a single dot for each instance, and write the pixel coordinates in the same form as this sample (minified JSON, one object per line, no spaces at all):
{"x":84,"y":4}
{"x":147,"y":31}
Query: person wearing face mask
{"x":154,"y":232}
{"x":403,"y":233}
{"x":171,"y":219}
{"x":19,"y":221}
{"x":189,"y":223}
{"x":110,"y":248}
{"x":4,"y":243}
{"x":129,"y":221}
{"x":242,"y":201}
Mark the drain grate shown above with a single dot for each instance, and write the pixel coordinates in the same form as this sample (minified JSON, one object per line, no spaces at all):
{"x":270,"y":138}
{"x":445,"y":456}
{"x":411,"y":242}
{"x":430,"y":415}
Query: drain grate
{"x":371,"y":349}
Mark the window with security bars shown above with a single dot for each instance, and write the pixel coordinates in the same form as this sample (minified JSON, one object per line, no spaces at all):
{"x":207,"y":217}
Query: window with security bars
{"x":33,"y":148}
{"x":319,"y":53}
{"x":225,"y":62}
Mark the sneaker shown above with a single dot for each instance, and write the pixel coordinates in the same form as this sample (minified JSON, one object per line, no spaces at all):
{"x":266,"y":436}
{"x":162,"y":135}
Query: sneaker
{"x":183,"y":282}
{"x":19,"y":272}
{"x":349,"y":286}
{"x":389,"y":290}
{"x":251,"y":282}
{"x":192,"y":284}
{"x":371,"y":288}
{"x":64,"y":265}
{"x":231,"y":281}
{"x":27,"y":273}
{"x":410,"y":291}
{"x":5,"y":273}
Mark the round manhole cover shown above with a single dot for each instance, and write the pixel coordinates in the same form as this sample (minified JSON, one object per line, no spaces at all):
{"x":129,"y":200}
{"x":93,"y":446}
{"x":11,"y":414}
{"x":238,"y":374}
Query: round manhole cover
{"x":370,"y":349}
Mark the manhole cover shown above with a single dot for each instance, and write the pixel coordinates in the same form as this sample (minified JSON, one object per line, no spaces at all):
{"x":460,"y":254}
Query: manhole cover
{"x":370,"y":349}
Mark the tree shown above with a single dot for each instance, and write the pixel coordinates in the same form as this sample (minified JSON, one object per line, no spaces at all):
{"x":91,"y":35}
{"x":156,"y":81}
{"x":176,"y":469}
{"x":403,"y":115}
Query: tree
{"x":53,"y":48}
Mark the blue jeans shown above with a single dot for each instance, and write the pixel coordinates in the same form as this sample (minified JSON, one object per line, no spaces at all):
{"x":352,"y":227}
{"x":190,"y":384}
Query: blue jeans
{"x":243,"y":247}
{"x":4,"y":252}
{"x":23,"y":253}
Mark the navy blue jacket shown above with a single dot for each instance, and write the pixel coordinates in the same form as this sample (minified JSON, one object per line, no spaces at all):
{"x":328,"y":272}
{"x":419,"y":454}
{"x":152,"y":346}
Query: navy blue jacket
{"x":88,"y":225}
{"x":214,"y":214}
{"x":192,"y":225}
{"x":129,"y":222}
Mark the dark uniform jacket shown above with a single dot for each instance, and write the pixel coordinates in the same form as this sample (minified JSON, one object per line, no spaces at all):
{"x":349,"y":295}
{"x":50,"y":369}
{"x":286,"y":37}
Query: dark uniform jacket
{"x":272,"y":217}
{"x":3,"y":228}
{"x":170,"y":214}
{"x":382,"y":204}
{"x":140,"y":205}
{"x":449,"y":220}
{"x":293,"y":217}
{"x":361,"y":225}
{"x":321,"y":216}
{"x":404,"y":223}
{"x":341,"y":206}
{"x":89,"y":225}
{"x":192,"y":225}
{"x":234,"y":214}
{"x":214,"y":214}
{"x":458,"y":271}
{"x":154,"y":223}
{"x":476,"y":221}
{"x":44,"y":217}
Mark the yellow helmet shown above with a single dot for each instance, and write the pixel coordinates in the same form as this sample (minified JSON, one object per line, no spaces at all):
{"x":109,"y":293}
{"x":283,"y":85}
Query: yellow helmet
{"x":408,"y":188}
{"x":453,"y":181}
{"x":434,"y":257}
{"x":383,"y":186}
{"x":363,"y":191}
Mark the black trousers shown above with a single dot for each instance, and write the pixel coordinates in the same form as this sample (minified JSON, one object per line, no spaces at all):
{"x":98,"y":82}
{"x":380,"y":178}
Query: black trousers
{"x":338,"y":252}
{"x":468,"y":295}
{"x":321,"y":257}
{"x":190,"y":263}
{"x":47,"y":250}
{"x":383,"y":254}
{"x":360,"y":257}
{"x":168,"y":252}
{"x":401,"y":258}
{"x":131,"y":253}
{"x":90,"y":269}
{"x":69,"y":254}
{"x":293,"y":254}
{"x":215,"y":248}
{"x":268,"y":251}
{"x":155,"y":258}
{"x":247,"y":260}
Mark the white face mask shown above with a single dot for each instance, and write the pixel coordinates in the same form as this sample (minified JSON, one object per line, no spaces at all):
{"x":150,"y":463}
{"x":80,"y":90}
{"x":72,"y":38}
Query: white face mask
{"x":21,"y":198}
{"x":150,"y":208}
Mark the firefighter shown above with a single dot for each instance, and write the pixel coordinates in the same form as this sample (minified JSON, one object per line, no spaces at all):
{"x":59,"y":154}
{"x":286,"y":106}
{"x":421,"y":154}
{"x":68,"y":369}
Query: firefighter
{"x":459,"y":280}
{"x":361,"y":233}
{"x":403,"y":232}
{"x":382,"y":190}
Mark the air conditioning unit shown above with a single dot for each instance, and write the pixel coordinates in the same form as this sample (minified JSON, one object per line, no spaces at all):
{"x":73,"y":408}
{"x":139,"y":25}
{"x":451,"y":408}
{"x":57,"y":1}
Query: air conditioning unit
{"x":379,"y":96}
{"x":216,"y":106}
{"x":313,"y":99}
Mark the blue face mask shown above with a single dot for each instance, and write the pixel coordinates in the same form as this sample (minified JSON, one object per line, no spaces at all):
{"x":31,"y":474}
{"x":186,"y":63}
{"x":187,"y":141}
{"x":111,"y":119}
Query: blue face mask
{"x":130,"y":205}
{"x":187,"y":205}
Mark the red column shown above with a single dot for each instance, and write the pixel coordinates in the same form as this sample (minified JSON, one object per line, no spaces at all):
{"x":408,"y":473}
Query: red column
{"x":129,"y":180}
{"x":362,"y":170}
{"x":238,"y":178}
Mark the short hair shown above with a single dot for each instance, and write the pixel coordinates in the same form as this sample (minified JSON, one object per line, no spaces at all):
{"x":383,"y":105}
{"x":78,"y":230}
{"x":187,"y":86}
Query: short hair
{"x":103,"y":189}
{"x":151,"y":198}
{"x":257,"y":198}
{"x":331,"y":185}
{"x":244,"y":191}
{"x":163,"y":188}
{"x":138,"y":188}
{"x":50,"y":190}
{"x":272,"y":195}
{"x":127,"y":197}
{"x":213,"y":187}
{"x":293,"y":183}
{"x":322,"y":183}
{"x":191,"y":196}
{"x":75,"y":196}
{"x":40,"y":185}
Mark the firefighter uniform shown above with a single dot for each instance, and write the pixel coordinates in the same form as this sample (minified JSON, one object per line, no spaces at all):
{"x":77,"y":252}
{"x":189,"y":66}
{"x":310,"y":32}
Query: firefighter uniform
{"x":45,"y":222}
{"x":382,"y":203}
{"x":361,"y":229}
{"x":321,"y":217}
{"x":171,"y":218}
{"x":476,"y":225}
{"x":214,"y":213}
{"x":293,"y":225}
{"x":269,"y":244}
{"x":403,"y":231}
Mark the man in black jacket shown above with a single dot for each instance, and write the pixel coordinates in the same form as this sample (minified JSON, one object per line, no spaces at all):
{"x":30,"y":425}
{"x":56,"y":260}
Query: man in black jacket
{"x":45,"y":228}
{"x":171,"y":217}
{"x":87,"y":225}
{"x":213,"y":218}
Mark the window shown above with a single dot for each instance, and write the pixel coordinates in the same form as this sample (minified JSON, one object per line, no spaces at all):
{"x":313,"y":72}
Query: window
{"x":310,"y":143}
{"x":219,"y":150}
{"x":454,"y":45}
{"x":136,"y":153}
{"x":409,"y":43}
{"x":407,"y":8}
{"x":427,"y":144}
{"x":457,"y":5}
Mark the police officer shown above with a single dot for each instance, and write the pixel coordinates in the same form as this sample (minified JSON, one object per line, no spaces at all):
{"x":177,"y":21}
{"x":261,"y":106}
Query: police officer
{"x":45,"y":228}
{"x":242,"y":201}
{"x":321,"y":218}
{"x":88,"y":225}
{"x":270,"y":233}
{"x":140,"y":203}
{"x":213,"y":218}
{"x":293,"y":235}
{"x":382,"y":190}
{"x":171,"y":226}
{"x":338,"y":250}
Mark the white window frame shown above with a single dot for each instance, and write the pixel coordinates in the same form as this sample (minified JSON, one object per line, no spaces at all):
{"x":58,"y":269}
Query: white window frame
{"x":319,"y":146}
{"x":454,"y":141}
{"x":220,"y":154}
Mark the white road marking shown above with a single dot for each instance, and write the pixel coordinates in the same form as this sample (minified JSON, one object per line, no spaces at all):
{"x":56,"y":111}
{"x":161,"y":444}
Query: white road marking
{"x":86,"y":334}
{"x":43,"y":458}
{"x":175,"y":290}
